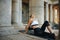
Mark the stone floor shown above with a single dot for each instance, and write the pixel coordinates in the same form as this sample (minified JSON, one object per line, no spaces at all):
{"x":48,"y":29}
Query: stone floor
{"x":20,"y":36}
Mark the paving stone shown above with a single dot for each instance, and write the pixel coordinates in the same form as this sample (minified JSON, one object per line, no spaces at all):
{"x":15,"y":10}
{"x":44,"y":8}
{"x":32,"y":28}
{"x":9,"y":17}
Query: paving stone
{"x":21,"y":36}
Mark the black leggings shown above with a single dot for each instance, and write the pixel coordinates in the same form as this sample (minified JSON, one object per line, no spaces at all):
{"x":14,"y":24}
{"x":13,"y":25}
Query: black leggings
{"x":41,"y":31}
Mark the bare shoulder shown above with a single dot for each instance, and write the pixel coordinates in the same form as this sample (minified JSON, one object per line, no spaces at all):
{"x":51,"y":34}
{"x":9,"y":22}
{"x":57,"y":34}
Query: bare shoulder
{"x":31,"y":19}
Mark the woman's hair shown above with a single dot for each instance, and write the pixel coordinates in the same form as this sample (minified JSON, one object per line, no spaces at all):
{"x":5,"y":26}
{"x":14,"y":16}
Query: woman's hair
{"x":30,"y":15}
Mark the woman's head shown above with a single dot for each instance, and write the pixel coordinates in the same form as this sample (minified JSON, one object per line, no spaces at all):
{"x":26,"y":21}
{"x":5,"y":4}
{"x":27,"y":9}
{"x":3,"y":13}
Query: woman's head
{"x":32,"y":16}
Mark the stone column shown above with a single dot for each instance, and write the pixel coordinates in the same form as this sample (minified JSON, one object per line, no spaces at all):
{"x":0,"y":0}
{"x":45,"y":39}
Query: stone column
{"x":20,"y":24}
{"x":20,"y":11}
{"x":5,"y":17}
{"x":51,"y":13}
{"x":47,"y":14}
{"x":37,"y":7}
{"x":17,"y":13}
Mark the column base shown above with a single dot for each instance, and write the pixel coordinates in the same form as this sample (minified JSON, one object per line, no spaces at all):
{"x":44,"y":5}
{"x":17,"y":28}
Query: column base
{"x":20,"y":26}
{"x":7,"y":30}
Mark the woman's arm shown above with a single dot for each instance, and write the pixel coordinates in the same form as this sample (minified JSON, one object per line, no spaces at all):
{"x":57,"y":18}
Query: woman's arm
{"x":29,"y":23}
{"x":49,"y":29}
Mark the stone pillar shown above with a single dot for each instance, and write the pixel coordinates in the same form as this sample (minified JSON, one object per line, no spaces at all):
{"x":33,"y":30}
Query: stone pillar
{"x":51,"y":13}
{"x":37,"y":7}
{"x":47,"y":14}
{"x":17,"y":13}
{"x":20,"y":11}
{"x":5,"y":17}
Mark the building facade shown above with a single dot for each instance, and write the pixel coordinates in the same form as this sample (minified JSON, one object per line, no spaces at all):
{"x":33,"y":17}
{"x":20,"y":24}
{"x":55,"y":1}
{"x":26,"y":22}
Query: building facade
{"x":15,"y":13}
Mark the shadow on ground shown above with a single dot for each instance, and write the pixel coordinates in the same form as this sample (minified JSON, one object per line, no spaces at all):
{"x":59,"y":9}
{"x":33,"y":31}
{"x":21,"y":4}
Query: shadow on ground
{"x":31,"y":32}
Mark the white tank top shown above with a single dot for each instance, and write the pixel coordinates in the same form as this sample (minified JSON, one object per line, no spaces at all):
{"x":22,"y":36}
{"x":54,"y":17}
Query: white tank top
{"x":34,"y":22}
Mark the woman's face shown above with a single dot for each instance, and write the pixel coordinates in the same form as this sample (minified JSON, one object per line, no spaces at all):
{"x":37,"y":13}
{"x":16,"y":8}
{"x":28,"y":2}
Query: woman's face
{"x":33,"y":16}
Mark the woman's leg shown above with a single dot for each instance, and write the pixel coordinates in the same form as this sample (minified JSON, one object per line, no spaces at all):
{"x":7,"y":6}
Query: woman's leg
{"x":37,"y":31}
{"x":45,"y":24}
{"x":41,"y":32}
{"x":48,"y":35}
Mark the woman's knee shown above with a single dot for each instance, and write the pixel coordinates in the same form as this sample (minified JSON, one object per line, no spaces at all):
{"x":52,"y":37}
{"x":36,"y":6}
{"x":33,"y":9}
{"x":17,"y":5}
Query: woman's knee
{"x":46,"y":23}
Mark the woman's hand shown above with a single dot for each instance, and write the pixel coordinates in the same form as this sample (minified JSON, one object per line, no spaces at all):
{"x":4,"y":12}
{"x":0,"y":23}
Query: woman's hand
{"x":28,"y":25}
{"x":25,"y":32}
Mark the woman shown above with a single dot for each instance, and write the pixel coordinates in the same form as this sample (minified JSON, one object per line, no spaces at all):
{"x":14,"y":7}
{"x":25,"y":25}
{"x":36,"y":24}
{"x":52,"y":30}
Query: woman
{"x":33,"y":24}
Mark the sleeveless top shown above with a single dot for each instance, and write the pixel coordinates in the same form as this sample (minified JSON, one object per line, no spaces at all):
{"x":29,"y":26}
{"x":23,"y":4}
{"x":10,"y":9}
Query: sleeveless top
{"x":34,"y":23}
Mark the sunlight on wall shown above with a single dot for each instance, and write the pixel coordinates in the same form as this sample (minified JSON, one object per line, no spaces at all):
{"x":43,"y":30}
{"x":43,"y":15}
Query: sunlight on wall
{"x":56,"y":16}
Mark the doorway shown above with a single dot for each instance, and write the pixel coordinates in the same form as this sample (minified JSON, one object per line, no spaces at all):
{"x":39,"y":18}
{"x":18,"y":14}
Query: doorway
{"x":25,"y":11}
